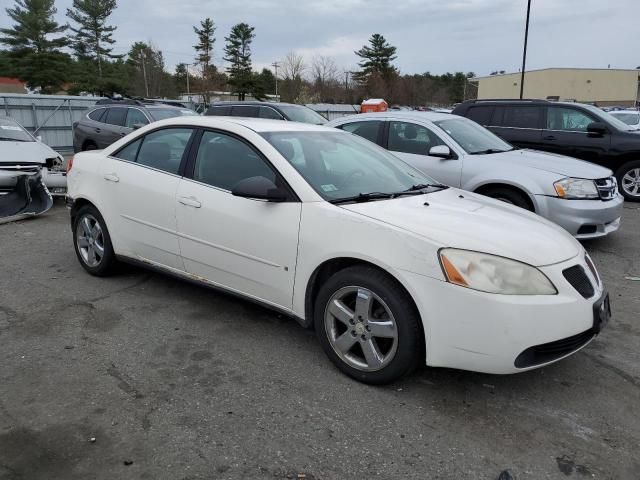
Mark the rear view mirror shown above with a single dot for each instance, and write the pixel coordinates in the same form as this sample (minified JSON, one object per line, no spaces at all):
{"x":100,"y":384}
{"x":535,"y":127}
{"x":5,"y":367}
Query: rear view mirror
{"x":440,"y":151}
{"x":259,"y":188}
{"x":597,"y":128}
{"x":39,"y":138}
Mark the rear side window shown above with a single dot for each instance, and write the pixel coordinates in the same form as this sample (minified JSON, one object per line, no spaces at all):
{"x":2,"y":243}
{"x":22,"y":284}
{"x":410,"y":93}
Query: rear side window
{"x":522,"y":117}
{"x":481,"y":115}
{"x":245,"y":111}
{"x":220,"y":111}
{"x":163,"y":149}
{"x":97,"y":114}
{"x":268,"y":112}
{"x":116,"y":116}
{"x":368,"y":130}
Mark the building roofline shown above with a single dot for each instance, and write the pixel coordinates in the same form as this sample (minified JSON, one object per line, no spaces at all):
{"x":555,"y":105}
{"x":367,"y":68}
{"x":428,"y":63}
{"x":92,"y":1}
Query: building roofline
{"x":560,"y":68}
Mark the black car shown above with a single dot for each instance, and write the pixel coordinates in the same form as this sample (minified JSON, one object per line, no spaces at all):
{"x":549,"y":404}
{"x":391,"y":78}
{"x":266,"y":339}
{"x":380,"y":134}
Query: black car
{"x":110,"y":120}
{"x":573,"y":129}
{"x":271,"y":110}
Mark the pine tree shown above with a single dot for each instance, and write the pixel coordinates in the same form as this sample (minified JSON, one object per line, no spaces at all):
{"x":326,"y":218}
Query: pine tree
{"x":376,"y":59}
{"x":238,"y":53}
{"x":34,"y":46}
{"x":92,"y":38}
{"x":204,"y":49}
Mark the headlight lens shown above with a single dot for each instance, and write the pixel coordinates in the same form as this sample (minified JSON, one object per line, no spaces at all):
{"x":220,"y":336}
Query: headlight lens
{"x":493,"y":274}
{"x":576,"y":188}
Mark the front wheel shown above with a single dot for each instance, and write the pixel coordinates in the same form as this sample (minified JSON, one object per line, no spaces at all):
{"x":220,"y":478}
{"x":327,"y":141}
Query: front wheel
{"x":510,"y":196}
{"x":368,"y":325}
{"x":629,"y":180}
{"x":92,"y":242}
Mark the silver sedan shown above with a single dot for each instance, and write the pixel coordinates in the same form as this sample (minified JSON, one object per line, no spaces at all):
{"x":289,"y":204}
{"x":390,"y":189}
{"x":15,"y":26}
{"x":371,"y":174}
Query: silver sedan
{"x":579,"y":196}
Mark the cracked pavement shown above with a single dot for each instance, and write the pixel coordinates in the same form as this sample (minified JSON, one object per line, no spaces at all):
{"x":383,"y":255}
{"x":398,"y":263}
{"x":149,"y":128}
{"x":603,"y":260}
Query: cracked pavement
{"x":174,"y":381}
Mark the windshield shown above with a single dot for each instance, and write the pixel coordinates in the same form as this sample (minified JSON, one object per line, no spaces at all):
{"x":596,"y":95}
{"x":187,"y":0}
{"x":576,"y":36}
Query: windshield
{"x":162,"y":113}
{"x":630,"y":118}
{"x":11,"y":131}
{"x":339,"y":165}
{"x":607,"y":117}
{"x":473,"y":138}
{"x":298,"y":113}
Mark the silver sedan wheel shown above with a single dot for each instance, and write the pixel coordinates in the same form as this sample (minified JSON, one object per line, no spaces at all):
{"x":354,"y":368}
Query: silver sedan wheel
{"x":631,"y":182}
{"x":90,"y":240}
{"x":361,"y":328}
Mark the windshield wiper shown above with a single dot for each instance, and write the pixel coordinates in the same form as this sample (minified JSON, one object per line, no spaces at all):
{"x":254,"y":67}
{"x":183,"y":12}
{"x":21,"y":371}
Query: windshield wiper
{"x":362,"y":197}
{"x":9,"y":139}
{"x":489,"y":151}
{"x":421,"y":186}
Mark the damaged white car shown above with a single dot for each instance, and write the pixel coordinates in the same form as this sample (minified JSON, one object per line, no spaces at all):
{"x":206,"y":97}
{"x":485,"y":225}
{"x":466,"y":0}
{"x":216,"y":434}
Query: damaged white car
{"x":29,"y":172}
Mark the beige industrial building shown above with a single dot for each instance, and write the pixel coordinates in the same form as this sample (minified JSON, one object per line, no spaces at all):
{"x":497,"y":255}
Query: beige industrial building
{"x":601,"y":86}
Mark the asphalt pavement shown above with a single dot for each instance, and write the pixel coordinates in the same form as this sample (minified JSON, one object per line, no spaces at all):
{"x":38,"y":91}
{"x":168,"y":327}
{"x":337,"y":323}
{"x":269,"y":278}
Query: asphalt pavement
{"x":142,"y":376}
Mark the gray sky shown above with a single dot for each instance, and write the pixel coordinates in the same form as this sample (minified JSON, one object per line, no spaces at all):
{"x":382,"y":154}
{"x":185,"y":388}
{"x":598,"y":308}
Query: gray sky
{"x":431,"y":35}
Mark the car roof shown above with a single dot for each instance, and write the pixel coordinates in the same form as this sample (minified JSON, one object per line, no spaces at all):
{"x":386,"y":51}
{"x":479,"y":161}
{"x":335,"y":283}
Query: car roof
{"x":252,"y":103}
{"x":413,"y":115}
{"x":255,"y":124}
{"x":524,"y":101}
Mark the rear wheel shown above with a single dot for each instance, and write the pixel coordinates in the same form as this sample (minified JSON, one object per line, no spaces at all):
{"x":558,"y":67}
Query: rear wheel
{"x":92,"y":242}
{"x":89,"y":146}
{"x":368,"y":325}
{"x":629,"y":180}
{"x":508,"y":195}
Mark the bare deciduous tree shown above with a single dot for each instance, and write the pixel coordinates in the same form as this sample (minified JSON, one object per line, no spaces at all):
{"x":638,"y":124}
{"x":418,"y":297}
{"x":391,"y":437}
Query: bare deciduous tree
{"x":293,"y":66}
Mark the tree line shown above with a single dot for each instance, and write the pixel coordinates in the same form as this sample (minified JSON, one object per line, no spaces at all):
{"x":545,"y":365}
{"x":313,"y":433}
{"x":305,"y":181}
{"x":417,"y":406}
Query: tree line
{"x":79,"y":57}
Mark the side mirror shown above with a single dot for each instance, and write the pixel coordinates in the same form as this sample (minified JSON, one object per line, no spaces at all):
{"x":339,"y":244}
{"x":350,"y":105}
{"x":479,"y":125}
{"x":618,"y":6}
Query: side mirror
{"x":138,"y":125}
{"x":597,"y":128}
{"x":440,"y":151}
{"x":259,"y":188}
{"x":39,"y":138}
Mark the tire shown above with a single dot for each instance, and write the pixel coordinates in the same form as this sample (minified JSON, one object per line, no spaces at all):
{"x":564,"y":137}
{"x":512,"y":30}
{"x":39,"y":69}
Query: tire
{"x":93,"y":246}
{"x":510,"y":196}
{"x":389,"y":330}
{"x":628,"y":177}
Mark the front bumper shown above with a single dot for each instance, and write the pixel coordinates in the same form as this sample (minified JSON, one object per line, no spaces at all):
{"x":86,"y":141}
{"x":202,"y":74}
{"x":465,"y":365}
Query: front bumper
{"x":484,"y":332}
{"x":28,"y":197}
{"x":583,"y":219}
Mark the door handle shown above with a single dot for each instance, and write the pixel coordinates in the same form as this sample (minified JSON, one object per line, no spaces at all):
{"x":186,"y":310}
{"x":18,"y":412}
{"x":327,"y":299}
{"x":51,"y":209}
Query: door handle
{"x":111,"y":177}
{"x":549,"y":137}
{"x":190,"y":202}
{"x":98,"y":130}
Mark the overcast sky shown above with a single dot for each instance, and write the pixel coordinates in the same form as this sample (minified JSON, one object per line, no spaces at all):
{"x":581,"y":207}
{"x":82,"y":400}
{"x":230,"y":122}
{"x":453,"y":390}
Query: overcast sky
{"x":431,"y":35}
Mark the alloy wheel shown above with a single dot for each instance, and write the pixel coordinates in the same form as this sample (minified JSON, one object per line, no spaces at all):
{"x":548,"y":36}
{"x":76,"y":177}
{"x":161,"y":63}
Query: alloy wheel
{"x":631,"y":182}
{"x":90,"y":240}
{"x":361,"y":328}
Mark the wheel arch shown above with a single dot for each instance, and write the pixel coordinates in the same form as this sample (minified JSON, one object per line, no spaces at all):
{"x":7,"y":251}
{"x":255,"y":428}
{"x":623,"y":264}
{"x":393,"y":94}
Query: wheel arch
{"x":516,"y":188}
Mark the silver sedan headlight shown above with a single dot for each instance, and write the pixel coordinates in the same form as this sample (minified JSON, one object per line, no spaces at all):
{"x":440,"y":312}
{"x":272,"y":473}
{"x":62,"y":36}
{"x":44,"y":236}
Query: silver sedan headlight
{"x":493,"y":274}
{"x":576,"y":188}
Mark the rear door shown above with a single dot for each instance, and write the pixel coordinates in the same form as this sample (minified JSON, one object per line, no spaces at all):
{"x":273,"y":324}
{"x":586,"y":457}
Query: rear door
{"x":566,"y":133}
{"x":412,"y":142}
{"x":113,"y":127}
{"x":248,"y":246}
{"x":520,"y":125}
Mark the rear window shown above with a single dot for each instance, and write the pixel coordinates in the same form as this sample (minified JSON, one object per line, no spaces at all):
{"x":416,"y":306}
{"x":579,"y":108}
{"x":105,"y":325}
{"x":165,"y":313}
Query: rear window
{"x":116,"y":116}
{"x":96,"y":114}
{"x":481,"y":115}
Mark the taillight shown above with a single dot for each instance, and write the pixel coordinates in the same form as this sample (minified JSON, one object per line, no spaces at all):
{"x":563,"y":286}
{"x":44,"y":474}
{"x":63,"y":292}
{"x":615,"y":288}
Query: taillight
{"x":70,"y":163}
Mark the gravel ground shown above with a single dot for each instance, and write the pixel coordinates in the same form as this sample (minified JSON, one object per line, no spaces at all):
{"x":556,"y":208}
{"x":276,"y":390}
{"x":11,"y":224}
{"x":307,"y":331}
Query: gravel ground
{"x":141,"y":376}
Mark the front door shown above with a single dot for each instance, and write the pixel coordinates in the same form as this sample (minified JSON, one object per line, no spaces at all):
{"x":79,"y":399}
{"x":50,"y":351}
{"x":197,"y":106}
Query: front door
{"x":140,"y":182}
{"x":248,"y":246}
{"x":412,"y":142}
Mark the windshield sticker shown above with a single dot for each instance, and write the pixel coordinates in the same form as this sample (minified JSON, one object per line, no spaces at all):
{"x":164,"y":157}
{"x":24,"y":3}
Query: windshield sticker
{"x":11,"y":127}
{"x":329,"y":188}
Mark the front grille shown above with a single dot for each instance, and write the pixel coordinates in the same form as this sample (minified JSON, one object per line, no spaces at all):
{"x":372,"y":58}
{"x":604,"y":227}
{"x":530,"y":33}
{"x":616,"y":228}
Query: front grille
{"x":607,"y":187}
{"x":578,"y":279}
{"x":548,"y":352}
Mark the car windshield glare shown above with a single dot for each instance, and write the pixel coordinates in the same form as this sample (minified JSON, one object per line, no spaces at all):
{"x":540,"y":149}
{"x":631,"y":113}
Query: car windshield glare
{"x":340,"y":166}
{"x":473,"y":138}
{"x":299,"y":113}
{"x":163,"y":113}
{"x":630,"y":118}
{"x":10,"y":131}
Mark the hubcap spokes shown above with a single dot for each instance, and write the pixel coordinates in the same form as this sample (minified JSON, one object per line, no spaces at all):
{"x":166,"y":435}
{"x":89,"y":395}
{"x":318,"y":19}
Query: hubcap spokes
{"x":90,"y":240}
{"x":361,"y":328}
{"x":631,"y":182}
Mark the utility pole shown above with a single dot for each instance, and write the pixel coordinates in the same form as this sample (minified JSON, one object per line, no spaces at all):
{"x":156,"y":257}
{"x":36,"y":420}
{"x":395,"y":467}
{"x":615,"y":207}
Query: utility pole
{"x":144,"y":73}
{"x":275,"y":66}
{"x":186,"y":66}
{"x":524,"y":51}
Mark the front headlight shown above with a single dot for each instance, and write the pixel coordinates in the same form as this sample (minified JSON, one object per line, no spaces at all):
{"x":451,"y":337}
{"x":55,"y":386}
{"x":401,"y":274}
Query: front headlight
{"x":493,"y":274}
{"x":576,"y":188}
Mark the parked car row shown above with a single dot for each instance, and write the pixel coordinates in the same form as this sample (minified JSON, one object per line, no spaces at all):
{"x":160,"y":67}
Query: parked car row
{"x":393,"y":268}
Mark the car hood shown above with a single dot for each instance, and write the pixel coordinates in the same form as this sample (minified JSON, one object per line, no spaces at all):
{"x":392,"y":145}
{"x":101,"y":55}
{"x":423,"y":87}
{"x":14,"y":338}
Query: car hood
{"x":453,"y":218}
{"x":552,"y":162}
{"x":25,"y":152}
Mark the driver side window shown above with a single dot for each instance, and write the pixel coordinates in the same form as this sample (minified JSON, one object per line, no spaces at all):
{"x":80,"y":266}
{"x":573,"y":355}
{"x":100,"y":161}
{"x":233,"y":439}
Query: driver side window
{"x":408,"y":137}
{"x":567,"y":119}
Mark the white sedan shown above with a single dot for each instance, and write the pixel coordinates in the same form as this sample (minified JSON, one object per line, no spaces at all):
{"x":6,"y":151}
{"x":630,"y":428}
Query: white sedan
{"x":392,"y":269}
